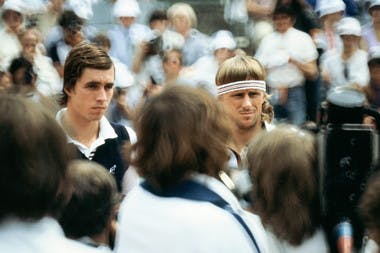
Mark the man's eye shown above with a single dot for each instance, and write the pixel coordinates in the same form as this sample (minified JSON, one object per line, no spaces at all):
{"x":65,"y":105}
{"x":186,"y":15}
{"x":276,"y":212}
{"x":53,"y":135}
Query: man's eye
{"x":108,"y":87}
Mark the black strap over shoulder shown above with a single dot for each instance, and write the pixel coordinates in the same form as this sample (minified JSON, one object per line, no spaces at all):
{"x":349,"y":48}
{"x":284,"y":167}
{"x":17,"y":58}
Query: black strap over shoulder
{"x":121,"y":131}
{"x":195,"y":191}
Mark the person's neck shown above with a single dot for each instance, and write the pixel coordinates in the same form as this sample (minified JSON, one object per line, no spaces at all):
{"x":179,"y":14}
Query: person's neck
{"x":81,"y":130}
{"x":241,"y":137}
{"x":347,"y":53}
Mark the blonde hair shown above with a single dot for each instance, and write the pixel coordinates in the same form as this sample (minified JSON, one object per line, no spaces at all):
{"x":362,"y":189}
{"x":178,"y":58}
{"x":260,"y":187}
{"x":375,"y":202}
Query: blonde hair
{"x":240,"y":68}
{"x":185,"y":10}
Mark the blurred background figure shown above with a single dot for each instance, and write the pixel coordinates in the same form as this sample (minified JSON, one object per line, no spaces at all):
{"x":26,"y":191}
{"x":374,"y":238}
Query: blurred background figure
{"x":48,"y":80}
{"x":71,"y":28}
{"x":223,"y":47}
{"x":289,"y":56}
{"x":180,"y":160}
{"x":348,"y":67}
{"x":283,"y":169}
{"x":183,"y":20}
{"x":24,"y":83}
{"x":12,"y":15}
{"x":89,"y":216}
{"x":371,"y":30}
{"x":369,"y":211}
{"x":372,"y":89}
{"x":34,"y":158}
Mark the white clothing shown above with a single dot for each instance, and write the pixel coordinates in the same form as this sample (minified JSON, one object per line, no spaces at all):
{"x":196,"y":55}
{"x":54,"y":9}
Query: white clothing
{"x":149,"y":223}
{"x":356,"y":65}
{"x":123,"y":76}
{"x":42,"y":236}
{"x":315,"y":244}
{"x":274,"y":53}
{"x":371,"y":247}
{"x":10,"y":48}
{"x":48,"y":80}
{"x":205,"y":69}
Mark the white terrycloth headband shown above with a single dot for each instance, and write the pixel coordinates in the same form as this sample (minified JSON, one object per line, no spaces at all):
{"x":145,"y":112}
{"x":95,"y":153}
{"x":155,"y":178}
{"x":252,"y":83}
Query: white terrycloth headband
{"x":241,"y":85}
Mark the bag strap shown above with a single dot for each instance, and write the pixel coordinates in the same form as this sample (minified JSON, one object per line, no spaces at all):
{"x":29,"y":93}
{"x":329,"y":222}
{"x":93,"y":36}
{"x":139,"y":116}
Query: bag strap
{"x":195,"y":191}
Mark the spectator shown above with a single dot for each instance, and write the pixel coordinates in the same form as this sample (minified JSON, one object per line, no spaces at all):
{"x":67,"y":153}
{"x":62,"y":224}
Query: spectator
{"x":370,"y":30}
{"x":33,"y":175}
{"x":184,"y":21}
{"x":180,"y":159}
{"x":89,"y":216}
{"x":348,"y":67}
{"x":372,"y":89}
{"x":12,"y":15}
{"x":283,"y":170}
{"x":369,"y":208}
{"x":289,"y":56}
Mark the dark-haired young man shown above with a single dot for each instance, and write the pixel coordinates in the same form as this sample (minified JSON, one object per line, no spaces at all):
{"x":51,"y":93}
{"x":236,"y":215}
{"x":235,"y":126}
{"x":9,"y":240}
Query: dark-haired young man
{"x":87,"y":91}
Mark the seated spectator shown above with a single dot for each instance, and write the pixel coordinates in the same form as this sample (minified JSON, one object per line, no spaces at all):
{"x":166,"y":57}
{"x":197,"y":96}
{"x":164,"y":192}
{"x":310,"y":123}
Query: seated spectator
{"x":372,"y":89}
{"x":369,"y":209}
{"x":283,"y":170}
{"x":33,"y":160}
{"x":181,"y":206}
{"x":89,"y":216}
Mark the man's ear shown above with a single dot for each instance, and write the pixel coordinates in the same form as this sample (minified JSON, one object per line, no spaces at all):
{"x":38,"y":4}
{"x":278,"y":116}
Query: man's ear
{"x":68,"y":91}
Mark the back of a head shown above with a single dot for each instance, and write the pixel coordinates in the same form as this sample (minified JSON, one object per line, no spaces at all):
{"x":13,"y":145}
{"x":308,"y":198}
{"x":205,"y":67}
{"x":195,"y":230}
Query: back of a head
{"x":181,"y":131}
{"x":69,"y":20}
{"x":90,"y":207}
{"x":283,"y":168}
{"x":22,"y":72}
{"x":369,"y":206}
{"x":33,"y":159}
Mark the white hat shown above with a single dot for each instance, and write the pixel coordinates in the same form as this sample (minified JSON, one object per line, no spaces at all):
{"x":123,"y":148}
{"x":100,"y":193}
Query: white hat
{"x":374,"y":53}
{"x":82,"y":8}
{"x":349,"y":26}
{"x":223,"y":39}
{"x":374,"y":3}
{"x":14,"y":5}
{"x":126,"y":8}
{"x":325,"y":7}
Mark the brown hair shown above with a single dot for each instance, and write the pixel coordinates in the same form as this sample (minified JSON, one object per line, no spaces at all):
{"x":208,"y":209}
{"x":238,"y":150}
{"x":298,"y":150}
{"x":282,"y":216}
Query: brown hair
{"x":34,"y":156}
{"x":283,"y":169}
{"x":84,"y":55}
{"x":180,"y":131}
{"x":369,"y":206}
{"x":240,"y":68}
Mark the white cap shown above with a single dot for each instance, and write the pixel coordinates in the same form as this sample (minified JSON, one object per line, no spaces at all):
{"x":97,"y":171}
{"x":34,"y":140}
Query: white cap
{"x":325,"y":7}
{"x":126,"y":8}
{"x":223,"y":39}
{"x":82,"y":8}
{"x":14,"y":5}
{"x":374,"y":53}
{"x":349,"y":26}
{"x":374,"y":3}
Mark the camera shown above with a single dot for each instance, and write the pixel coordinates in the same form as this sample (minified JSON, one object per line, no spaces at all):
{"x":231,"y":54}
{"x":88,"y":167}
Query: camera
{"x":154,"y":46}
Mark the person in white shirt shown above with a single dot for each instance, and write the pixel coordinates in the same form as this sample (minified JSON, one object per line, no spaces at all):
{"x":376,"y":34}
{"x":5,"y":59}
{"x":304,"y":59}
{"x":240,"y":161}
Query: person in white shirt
{"x":34,"y":158}
{"x":283,"y":170}
{"x":348,"y":67}
{"x":289,"y":56}
{"x":181,"y":206}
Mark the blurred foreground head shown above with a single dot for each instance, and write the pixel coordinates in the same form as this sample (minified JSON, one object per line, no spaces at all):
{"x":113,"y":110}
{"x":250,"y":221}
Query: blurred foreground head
{"x":283,"y":168}
{"x":33,"y":159}
{"x":181,"y":131}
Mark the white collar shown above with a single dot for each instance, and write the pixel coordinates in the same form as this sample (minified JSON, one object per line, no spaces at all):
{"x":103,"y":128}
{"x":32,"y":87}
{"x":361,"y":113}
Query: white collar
{"x":106,"y":131}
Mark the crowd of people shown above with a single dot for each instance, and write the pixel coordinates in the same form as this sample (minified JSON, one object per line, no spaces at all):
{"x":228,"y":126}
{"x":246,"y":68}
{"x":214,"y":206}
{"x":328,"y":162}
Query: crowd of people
{"x":157,"y":137}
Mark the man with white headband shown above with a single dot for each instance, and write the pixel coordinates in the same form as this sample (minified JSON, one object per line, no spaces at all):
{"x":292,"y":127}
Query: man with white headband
{"x":241,"y":89}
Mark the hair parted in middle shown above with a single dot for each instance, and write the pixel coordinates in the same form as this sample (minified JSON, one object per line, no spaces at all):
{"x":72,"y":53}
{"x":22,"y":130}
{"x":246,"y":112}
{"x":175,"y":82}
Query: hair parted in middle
{"x":180,"y":131}
{"x":241,"y":68}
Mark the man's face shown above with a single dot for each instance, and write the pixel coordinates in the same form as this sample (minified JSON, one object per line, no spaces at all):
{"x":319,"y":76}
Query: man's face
{"x":13,"y":20}
{"x":244,"y":107}
{"x":88,"y":100}
{"x":72,"y":37}
{"x":282,"y":22}
{"x":29,"y":42}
